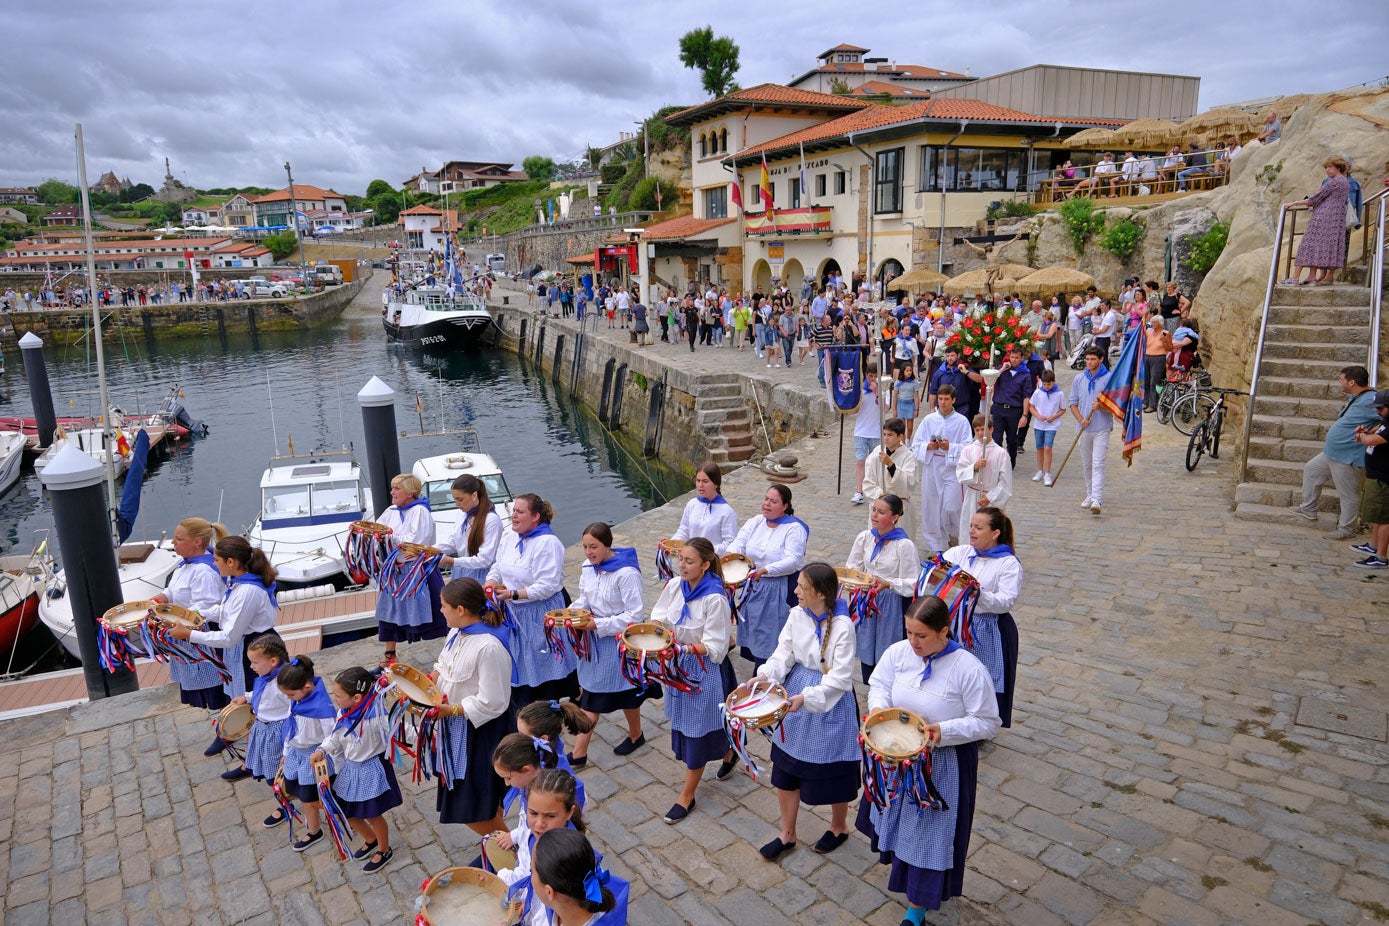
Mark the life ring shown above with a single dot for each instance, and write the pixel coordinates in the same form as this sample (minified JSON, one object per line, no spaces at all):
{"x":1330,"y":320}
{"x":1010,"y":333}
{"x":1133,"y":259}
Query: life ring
{"x":459,"y":461}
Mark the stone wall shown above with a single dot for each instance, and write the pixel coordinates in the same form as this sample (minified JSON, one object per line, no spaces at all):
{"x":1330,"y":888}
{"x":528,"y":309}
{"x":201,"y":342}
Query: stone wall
{"x":550,"y":245}
{"x":188,"y":319}
{"x":19,"y":282}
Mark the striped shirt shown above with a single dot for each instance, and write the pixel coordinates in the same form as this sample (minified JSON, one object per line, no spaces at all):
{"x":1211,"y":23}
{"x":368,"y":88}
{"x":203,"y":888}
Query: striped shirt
{"x":821,"y":335}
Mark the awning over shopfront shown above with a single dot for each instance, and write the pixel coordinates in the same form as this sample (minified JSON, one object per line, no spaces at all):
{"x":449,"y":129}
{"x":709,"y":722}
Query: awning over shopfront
{"x":807,"y":220}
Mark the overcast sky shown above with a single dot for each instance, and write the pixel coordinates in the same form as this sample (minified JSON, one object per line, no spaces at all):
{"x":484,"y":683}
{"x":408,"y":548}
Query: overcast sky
{"x":348,"y":91}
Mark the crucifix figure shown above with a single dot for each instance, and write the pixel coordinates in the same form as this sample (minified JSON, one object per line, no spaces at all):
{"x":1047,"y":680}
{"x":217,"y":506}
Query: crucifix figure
{"x":992,"y":252}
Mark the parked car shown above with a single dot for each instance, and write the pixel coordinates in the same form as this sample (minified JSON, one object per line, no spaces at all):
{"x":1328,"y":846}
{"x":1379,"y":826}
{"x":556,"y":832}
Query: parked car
{"x":392,"y":244}
{"x":326,"y":231}
{"x":259,"y":288}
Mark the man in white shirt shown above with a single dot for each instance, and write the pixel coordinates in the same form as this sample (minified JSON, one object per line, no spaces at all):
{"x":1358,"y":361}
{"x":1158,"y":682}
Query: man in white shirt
{"x":939,"y":439}
{"x":1107,"y":328}
{"x":1128,"y":173}
{"x":1105,"y":171}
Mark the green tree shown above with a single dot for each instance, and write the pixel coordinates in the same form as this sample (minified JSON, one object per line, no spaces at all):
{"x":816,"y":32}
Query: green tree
{"x":644,"y":194}
{"x":594,"y":155}
{"x":55,"y":192}
{"x":539,"y":167}
{"x":716,"y":59}
{"x":137,"y":192}
{"x":386,"y":207}
{"x":377,"y":187}
{"x":839,"y":86}
{"x":280,"y":244}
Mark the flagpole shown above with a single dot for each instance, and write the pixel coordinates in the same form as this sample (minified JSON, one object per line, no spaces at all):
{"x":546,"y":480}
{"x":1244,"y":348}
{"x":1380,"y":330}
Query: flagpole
{"x":1057,"y":478}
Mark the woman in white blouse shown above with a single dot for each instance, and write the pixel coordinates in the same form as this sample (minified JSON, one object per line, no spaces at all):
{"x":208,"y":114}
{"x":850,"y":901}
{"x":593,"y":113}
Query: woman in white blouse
{"x":415,"y":616}
{"x":529,"y":577}
{"x":817,"y":761}
{"x":247,"y":610}
{"x":932,"y":675}
{"x":472,"y":549}
{"x":775,"y":542}
{"x":708,"y":515}
{"x":196,"y":584}
{"x":888,"y":554}
{"x":474,"y":673}
{"x":610,"y":588}
{"x":989,"y":557}
{"x":695,"y":606}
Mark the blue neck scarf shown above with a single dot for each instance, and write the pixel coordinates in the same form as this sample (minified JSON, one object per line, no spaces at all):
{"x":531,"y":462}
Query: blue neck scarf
{"x":468,"y":516}
{"x":408,"y":505}
{"x":1092,"y":381}
{"x":882,"y":540}
{"x":1050,"y":389}
{"x":510,"y":797}
{"x":205,"y":558}
{"x":708,"y":584}
{"x":540,"y":530}
{"x":317,"y":704}
{"x":258,"y":687}
{"x":950,"y":647}
{"x":840,"y":608}
{"x":501,"y":632}
{"x":253,"y":580}
{"x":621,"y":558}
{"x":995,"y":552}
{"x":711,"y":502}
{"x":789,"y":519}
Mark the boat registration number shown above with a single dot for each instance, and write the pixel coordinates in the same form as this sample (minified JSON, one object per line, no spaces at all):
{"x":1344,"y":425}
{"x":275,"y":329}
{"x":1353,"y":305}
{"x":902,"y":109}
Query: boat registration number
{"x":433,"y":339}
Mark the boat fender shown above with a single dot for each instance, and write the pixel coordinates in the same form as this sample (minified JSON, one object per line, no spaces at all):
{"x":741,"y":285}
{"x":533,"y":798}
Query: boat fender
{"x":458,"y":462}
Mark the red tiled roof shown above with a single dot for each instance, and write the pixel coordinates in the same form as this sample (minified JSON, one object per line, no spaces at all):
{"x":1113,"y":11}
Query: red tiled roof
{"x":768,"y":94}
{"x":686,"y":226}
{"x":301,"y":191}
{"x":422,"y":210}
{"x":843,"y":47}
{"x":877,"y":115}
{"x":876,"y":87}
{"x":896,"y":70}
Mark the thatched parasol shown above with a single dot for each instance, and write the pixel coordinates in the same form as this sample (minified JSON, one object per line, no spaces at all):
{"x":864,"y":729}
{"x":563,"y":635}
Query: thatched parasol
{"x":1288,"y":105}
{"x":1092,"y":139}
{"x":975,"y":281}
{"x":1146,"y":134}
{"x":1220,"y":123}
{"x":1055,"y":280}
{"x":918,"y":279}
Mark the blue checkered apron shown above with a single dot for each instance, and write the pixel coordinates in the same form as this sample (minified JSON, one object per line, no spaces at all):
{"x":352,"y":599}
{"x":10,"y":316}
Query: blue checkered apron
{"x":604,"y":671}
{"x":819,"y":738}
{"x":414,"y":611}
{"x":876,"y":634}
{"x":925,"y":839}
{"x":194,"y":675}
{"x":535,"y":662}
{"x":361,"y":781}
{"x":696,"y":713}
{"x":459,"y":572}
{"x":299,"y":768}
{"x":762,"y":616}
{"x":235,"y":660}
{"x":456,"y":729}
{"x":265,"y":746}
{"x":988,"y":646}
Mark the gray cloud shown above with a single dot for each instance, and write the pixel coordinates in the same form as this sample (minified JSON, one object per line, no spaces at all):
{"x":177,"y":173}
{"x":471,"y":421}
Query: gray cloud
{"x":351,"y":90}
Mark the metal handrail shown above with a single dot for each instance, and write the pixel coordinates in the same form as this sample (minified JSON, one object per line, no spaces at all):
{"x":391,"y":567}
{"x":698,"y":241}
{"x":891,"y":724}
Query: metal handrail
{"x":1259,"y":348}
{"x":1377,"y":284}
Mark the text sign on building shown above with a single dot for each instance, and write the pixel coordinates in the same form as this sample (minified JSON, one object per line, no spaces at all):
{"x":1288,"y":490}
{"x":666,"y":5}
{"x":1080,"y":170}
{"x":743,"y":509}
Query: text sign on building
{"x":776,"y":252}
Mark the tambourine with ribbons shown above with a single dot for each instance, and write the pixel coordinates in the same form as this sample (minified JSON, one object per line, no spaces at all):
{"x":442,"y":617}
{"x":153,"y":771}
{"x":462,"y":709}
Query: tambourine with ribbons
{"x":367,"y":548}
{"x":559,"y":627}
{"x":754,"y":705}
{"x":647,"y":652}
{"x":232,"y":725}
{"x":957,"y":588}
{"x":407,"y":568}
{"x":896,"y":745}
{"x":466,"y":897}
{"x":862,"y":593}
{"x":737,"y":572}
{"x":667,"y":553}
{"x":416,"y":720}
{"x":333,"y":814}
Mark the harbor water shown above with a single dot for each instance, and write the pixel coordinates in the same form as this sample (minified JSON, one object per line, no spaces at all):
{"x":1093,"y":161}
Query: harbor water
{"x":257,"y":394}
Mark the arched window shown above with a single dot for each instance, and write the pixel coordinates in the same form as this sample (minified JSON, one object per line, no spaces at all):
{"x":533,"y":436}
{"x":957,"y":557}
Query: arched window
{"x":723,"y":141}
{"x":703,"y":146}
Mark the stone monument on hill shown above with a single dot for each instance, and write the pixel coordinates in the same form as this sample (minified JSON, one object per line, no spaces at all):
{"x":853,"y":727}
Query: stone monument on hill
{"x":173,"y":191}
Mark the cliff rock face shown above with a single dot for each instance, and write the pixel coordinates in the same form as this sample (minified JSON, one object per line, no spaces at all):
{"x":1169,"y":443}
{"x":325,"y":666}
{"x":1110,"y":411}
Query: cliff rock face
{"x":1229,"y":299}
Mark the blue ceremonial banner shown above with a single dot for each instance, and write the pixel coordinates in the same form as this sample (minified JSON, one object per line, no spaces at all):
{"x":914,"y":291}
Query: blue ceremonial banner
{"x":845,"y":378}
{"x":1122,"y":395}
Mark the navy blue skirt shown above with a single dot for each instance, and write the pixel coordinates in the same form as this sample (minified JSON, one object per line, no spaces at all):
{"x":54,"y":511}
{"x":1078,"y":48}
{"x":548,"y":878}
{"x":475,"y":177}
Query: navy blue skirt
{"x":477,"y":796}
{"x":304,"y":793}
{"x":606,"y":702}
{"x":819,"y":782}
{"x":436,"y":628}
{"x":1008,"y":633}
{"x":376,"y":806}
{"x":556,"y":689}
{"x":926,"y":887}
{"x":698,"y":751}
{"x":213,"y":699}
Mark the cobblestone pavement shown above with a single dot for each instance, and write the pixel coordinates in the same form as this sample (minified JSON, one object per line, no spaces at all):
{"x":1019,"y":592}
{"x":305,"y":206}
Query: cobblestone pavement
{"x":1199,"y":738}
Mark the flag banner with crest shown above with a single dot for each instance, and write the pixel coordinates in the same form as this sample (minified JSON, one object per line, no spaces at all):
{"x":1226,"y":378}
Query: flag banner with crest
{"x":845,"y":378}
{"x":1122,"y":395}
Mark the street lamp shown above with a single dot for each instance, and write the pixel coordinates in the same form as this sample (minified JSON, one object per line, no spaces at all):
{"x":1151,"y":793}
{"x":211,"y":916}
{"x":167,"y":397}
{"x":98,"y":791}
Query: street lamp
{"x":293,"y":210}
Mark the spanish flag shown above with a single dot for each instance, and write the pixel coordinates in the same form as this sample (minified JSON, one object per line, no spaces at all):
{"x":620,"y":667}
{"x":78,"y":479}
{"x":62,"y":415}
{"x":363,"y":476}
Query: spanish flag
{"x":765,"y":184}
{"x":122,"y":445}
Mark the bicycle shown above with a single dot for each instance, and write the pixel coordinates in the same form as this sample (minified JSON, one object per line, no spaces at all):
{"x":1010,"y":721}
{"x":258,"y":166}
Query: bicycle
{"x":1178,"y":385}
{"x":1192,"y":406}
{"x":1205,"y":437}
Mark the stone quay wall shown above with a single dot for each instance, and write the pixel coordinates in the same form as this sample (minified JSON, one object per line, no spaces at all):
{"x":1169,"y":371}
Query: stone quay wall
{"x":187,"y":319}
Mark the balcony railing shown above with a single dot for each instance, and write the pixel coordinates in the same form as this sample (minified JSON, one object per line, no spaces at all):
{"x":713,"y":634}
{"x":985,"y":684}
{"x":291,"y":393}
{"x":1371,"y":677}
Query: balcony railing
{"x":806,"y":220}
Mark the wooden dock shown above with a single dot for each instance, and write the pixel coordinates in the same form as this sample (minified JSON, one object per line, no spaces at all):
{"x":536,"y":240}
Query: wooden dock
{"x":303,"y":624}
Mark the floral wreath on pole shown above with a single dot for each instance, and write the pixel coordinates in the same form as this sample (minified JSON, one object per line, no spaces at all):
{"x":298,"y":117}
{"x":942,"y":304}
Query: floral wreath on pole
{"x":987,"y":332}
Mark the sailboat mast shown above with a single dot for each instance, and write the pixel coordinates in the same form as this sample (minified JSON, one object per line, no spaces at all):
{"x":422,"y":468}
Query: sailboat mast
{"x":107,"y":437}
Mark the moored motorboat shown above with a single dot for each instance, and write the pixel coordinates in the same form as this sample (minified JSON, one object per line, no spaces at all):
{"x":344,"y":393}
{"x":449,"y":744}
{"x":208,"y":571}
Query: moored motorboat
{"x":437,"y":474}
{"x":21,"y":582}
{"x":12,"y":446}
{"x":308,"y":503}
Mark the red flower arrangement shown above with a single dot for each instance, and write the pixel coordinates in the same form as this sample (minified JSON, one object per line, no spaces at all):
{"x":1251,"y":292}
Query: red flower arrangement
{"x":978,"y":337}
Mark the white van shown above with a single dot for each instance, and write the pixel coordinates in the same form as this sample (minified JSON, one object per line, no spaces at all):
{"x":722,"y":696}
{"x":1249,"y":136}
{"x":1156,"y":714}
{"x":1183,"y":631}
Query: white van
{"x":496,"y":263}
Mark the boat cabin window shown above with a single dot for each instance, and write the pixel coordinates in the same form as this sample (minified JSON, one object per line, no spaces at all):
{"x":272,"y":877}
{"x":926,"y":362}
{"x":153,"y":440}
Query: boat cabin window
{"x":441,"y":499}
{"x":285,"y":502}
{"x":334,"y":497}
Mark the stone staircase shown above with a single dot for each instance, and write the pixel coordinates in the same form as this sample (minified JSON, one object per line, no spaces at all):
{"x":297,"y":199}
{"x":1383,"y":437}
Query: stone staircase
{"x":1313,"y":332}
{"x":723,"y":415}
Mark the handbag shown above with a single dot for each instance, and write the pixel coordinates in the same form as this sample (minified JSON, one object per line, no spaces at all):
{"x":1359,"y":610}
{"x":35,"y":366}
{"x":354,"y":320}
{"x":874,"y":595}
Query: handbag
{"x":1352,"y":217}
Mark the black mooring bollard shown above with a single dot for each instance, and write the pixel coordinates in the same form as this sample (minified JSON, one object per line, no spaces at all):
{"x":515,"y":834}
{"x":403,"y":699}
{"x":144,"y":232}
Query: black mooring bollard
{"x":41,"y":394}
{"x":382,"y":448}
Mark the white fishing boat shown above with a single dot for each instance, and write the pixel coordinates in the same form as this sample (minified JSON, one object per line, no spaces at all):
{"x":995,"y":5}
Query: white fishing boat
{"x":12,"y":446}
{"x":104,"y":444}
{"x":437,"y":474}
{"x":421,"y":312}
{"x":308,"y":503}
